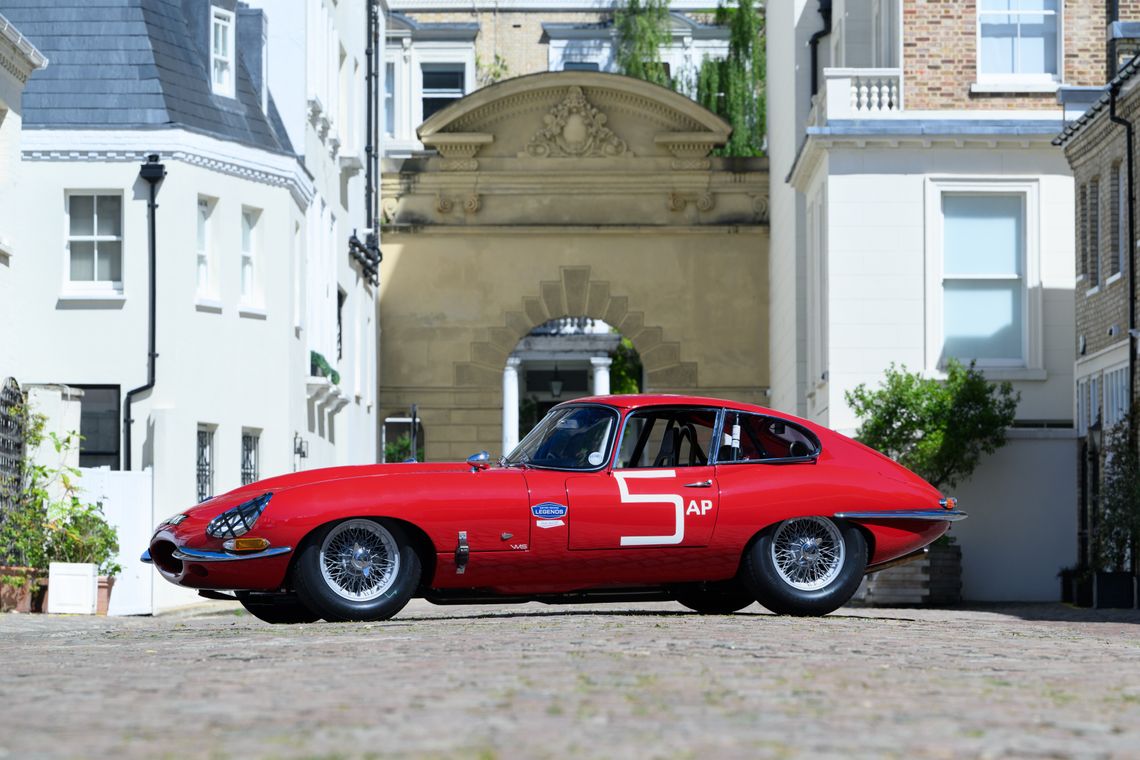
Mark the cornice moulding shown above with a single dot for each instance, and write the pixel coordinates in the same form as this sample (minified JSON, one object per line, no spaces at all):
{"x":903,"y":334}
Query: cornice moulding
{"x":94,"y":145}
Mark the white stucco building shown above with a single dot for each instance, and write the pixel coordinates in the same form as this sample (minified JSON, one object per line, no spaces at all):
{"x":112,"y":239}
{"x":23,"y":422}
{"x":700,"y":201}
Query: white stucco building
{"x":265,"y":325}
{"x":919,"y":213}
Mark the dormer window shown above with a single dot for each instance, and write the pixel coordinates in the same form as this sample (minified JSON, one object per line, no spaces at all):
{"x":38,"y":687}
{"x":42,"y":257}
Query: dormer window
{"x":222,"y":51}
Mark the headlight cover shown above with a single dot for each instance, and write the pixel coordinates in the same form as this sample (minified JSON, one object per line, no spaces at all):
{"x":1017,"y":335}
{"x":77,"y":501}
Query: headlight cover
{"x":238,"y":521}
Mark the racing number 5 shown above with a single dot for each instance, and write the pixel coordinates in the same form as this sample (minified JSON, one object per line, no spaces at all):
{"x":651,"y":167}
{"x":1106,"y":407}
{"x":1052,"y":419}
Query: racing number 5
{"x":652,"y":498}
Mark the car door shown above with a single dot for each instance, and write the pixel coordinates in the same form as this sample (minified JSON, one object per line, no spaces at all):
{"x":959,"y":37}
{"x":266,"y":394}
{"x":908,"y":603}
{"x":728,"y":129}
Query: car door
{"x":661,"y":490}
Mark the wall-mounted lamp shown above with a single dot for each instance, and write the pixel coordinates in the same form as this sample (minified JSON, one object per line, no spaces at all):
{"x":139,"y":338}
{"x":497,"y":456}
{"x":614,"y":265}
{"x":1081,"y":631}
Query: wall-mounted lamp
{"x":556,"y":384}
{"x":300,"y":446}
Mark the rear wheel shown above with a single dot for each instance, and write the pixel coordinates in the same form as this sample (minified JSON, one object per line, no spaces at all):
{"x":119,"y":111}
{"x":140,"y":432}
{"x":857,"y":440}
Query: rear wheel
{"x":715,"y":598}
{"x":806,"y":565}
{"x":276,"y":608}
{"x":357,"y":570}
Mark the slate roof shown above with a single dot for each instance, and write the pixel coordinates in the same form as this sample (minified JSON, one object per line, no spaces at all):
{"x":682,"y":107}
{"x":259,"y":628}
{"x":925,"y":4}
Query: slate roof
{"x":119,"y":64}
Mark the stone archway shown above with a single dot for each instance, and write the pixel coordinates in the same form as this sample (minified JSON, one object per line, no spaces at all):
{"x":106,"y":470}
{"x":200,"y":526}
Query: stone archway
{"x":576,"y":294}
{"x":568,"y":194}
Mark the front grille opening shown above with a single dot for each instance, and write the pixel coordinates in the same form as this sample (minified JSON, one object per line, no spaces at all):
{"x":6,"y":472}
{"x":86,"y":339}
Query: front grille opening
{"x":162,"y":554}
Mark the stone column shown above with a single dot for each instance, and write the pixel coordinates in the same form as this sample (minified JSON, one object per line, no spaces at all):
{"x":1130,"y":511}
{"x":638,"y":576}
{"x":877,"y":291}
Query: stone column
{"x":601,"y":366}
{"x":511,"y":404}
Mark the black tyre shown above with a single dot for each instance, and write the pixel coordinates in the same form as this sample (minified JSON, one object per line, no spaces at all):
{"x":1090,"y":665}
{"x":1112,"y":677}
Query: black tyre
{"x":277,"y":608}
{"x":806,"y":565}
{"x":715,"y":598}
{"x":356,"y":570}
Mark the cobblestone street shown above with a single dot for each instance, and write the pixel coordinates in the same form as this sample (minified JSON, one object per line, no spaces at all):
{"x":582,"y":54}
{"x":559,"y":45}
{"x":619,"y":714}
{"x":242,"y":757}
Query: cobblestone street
{"x":604,"y":681}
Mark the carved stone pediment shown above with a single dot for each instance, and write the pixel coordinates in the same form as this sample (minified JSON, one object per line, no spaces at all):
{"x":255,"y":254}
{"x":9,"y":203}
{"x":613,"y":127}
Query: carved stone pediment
{"x":574,"y":128}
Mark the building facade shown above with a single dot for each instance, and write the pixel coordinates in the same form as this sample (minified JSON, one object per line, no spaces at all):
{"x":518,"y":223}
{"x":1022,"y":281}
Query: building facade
{"x":440,"y":50}
{"x":1106,"y":380}
{"x":18,"y":59}
{"x":264,"y":327}
{"x":919,"y":214}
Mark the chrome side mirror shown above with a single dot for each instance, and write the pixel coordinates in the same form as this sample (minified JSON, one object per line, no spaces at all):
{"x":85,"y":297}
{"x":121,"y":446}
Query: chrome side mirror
{"x":480,"y":461}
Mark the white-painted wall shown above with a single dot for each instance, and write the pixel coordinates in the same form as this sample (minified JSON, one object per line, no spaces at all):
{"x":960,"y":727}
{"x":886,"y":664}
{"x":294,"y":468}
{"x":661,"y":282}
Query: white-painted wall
{"x":1022,"y":528}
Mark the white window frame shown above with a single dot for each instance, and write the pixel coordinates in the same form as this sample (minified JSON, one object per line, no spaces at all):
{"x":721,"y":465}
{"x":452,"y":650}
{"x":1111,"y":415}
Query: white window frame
{"x":1042,"y":82}
{"x":227,"y":19}
{"x":1093,"y":238}
{"x":1121,"y":249}
{"x":206,"y":294}
{"x":251,"y":298}
{"x":817,"y":297}
{"x":1031,"y":366}
{"x":93,"y":288}
{"x":1117,"y":398}
{"x":408,"y":58}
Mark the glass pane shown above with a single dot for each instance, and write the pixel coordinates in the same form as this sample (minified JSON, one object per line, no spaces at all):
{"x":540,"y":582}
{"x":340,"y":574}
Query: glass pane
{"x":246,"y":276}
{"x":432,"y":105}
{"x":203,"y":213}
{"x":999,"y":5}
{"x":982,"y":320}
{"x":982,"y":234}
{"x":110,"y":213}
{"x":246,"y":231}
{"x":221,"y":71}
{"x":389,"y":99}
{"x":579,"y":66}
{"x":573,"y":438}
{"x":670,"y":438}
{"x":82,"y":262}
{"x":1038,"y":45}
{"x":110,"y":261}
{"x":750,"y":437}
{"x":999,"y":44}
{"x":99,"y":421}
{"x":1035,"y":5}
{"x":443,"y":76}
{"x":81,"y":209}
{"x":203,"y":274}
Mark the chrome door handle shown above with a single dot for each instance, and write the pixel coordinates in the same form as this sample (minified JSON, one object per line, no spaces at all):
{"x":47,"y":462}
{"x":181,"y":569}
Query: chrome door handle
{"x":700,"y":484}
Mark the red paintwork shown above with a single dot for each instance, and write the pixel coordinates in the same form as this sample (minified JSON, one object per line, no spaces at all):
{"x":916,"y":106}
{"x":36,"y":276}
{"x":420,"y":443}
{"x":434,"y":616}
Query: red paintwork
{"x":436,"y":501}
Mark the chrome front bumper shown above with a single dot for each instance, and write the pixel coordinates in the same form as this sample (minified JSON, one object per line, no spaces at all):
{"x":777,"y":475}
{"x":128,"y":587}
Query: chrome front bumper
{"x":944,"y":515}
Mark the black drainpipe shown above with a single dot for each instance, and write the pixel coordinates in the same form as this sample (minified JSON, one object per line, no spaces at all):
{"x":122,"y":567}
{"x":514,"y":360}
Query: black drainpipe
{"x":813,"y":43}
{"x":152,"y":172}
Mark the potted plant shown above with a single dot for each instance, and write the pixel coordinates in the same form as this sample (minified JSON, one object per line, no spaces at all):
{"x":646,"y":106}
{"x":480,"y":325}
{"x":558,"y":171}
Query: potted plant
{"x":79,"y":534}
{"x":938,"y":429}
{"x":1117,"y":526}
{"x":23,"y":525}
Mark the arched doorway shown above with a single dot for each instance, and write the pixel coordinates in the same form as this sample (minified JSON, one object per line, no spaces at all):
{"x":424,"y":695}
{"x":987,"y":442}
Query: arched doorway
{"x":568,"y":195}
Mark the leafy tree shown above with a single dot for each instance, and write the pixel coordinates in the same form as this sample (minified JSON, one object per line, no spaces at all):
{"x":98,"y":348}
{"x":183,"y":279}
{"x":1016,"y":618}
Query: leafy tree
{"x":625,"y":368}
{"x":938,"y":429}
{"x":733,"y":88}
{"x":400,"y":449}
{"x":642,"y":28}
{"x":1117,"y":526}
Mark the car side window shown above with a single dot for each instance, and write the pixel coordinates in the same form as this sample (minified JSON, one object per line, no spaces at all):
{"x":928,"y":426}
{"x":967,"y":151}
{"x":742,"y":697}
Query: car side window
{"x":667,"y":438}
{"x":755,"y":438}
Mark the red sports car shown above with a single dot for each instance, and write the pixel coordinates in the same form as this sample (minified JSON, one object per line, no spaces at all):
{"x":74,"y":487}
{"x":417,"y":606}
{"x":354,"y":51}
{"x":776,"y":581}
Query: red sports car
{"x":710,"y":503}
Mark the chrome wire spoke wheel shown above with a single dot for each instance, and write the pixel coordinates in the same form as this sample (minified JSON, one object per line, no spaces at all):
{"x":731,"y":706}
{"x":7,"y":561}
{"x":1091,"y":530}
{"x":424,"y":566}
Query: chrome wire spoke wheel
{"x":359,"y":560}
{"x":807,"y":552}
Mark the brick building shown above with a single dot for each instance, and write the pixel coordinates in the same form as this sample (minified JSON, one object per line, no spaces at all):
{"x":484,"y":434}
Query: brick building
{"x":1096,"y":147}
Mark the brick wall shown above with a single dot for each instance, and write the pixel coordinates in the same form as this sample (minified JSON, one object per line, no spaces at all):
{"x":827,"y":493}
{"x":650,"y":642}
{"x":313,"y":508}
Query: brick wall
{"x":517,"y":37}
{"x":940,"y":53}
{"x":1095,"y":153}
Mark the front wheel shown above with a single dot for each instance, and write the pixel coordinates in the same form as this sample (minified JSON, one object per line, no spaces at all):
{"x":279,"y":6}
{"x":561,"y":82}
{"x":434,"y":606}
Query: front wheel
{"x":806,"y":565}
{"x":357,"y":570}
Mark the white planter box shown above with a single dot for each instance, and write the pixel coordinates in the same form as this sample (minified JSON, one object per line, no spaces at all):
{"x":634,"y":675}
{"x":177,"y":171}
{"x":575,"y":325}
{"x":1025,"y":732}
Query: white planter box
{"x":73,"y":588}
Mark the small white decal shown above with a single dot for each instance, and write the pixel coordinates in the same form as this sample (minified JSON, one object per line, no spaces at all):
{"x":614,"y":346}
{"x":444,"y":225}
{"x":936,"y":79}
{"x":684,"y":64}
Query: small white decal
{"x":520,"y":547}
{"x":549,"y":523}
{"x":703,"y":509}
{"x":595,"y":458}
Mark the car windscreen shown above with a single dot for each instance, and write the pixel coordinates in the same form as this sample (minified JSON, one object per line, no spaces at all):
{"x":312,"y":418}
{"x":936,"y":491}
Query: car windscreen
{"x":568,"y":438}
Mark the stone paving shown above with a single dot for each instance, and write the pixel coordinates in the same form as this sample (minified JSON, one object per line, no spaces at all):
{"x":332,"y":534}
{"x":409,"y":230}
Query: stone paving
{"x":631,"y":681}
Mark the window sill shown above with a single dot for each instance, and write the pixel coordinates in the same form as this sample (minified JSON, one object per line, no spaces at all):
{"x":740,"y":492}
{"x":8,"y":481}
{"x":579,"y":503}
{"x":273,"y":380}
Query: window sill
{"x":1114,"y":278}
{"x":1092,"y":291}
{"x":106,"y":299}
{"x":1031,"y":374}
{"x":208,"y":305}
{"x":1014,"y":87}
{"x":252,"y":312}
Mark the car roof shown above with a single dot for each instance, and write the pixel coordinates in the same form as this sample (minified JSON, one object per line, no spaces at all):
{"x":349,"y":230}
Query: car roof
{"x":640,"y":400}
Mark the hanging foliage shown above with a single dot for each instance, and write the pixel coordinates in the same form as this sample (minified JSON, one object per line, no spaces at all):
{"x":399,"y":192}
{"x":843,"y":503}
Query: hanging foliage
{"x":733,"y":88}
{"x":642,"y":28}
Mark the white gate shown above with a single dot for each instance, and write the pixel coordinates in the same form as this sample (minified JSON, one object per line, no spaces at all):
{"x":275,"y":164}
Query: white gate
{"x":128,"y":503}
